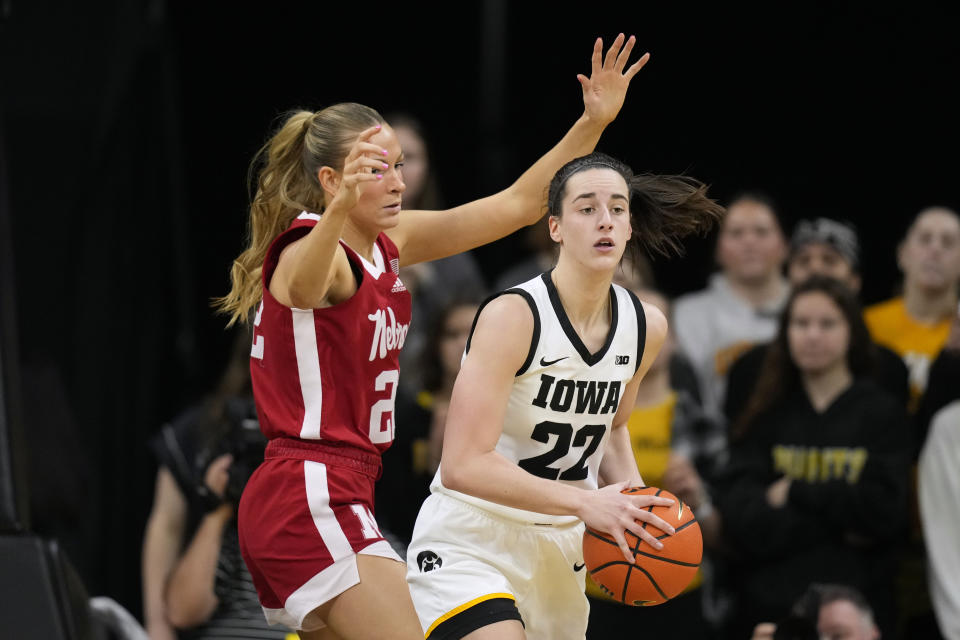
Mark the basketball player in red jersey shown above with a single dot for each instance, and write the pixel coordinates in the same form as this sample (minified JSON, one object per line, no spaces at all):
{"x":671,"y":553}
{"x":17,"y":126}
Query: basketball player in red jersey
{"x":331,"y":317}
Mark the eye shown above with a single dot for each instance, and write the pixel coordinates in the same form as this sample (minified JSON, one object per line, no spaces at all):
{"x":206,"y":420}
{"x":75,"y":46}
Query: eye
{"x":586,"y":210}
{"x":398,"y":166}
{"x":619,"y":210}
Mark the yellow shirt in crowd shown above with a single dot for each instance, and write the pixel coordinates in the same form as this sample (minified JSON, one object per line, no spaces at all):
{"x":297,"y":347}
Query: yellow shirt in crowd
{"x":918,"y":344}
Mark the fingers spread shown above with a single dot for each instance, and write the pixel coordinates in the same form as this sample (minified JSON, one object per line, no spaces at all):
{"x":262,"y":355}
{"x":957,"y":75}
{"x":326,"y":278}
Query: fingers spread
{"x":624,"y":54}
{"x":636,"y":66}
{"x":621,"y":541}
{"x":611,"y":58}
{"x":652,"y":519}
{"x":597,"y":55}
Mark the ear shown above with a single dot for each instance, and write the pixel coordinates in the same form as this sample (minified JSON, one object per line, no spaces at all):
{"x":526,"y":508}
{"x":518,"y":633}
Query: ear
{"x":329,"y":180}
{"x":553,"y":223}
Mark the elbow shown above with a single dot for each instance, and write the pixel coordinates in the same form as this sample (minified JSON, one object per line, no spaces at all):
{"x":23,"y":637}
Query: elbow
{"x":452,"y":476}
{"x":302,"y":296}
{"x":187,"y":612}
{"x":449,"y":478}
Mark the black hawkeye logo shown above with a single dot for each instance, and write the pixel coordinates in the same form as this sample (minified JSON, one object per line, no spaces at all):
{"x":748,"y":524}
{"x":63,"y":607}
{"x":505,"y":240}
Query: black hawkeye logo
{"x":428,"y":561}
{"x":546,"y":363}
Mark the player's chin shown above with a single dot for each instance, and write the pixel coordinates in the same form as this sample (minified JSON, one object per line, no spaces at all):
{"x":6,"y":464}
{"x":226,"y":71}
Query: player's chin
{"x":389,"y":217}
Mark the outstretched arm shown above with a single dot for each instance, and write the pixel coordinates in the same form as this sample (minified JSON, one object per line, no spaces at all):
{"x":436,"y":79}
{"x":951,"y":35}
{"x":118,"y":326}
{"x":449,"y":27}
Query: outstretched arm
{"x":428,"y":235}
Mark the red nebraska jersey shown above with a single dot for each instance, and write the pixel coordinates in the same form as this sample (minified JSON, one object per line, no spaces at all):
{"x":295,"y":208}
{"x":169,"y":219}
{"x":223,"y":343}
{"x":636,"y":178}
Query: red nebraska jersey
{"x":331,"y":374}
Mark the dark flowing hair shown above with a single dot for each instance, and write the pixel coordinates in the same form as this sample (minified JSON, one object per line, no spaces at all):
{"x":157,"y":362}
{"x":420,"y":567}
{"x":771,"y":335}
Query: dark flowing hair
{"x":663,"y":208}
{"x":779,"y":373}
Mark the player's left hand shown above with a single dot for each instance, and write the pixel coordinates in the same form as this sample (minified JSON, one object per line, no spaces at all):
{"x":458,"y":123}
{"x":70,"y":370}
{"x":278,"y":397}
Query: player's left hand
{"x":606,"y":88}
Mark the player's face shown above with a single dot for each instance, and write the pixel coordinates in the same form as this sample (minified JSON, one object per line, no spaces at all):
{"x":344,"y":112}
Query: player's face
{"x":594,"y":227}
{"x":750,"y":247}
{"x":454,"y":335}
{"x":840,"y":620}
{"x":930,"y":255}
{"x":379,"y":203}
{"x":821,"y":259}
{"x":818,"y":334}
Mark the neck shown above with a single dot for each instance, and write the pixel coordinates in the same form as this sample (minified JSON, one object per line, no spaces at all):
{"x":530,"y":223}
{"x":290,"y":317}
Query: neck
{"x":585,"y":295}
{"x":929,"y":307}
{"x":654,"y":388}
{"x":761,"y":291}
{"x":359,"y":239}
{"x":823,"y":387}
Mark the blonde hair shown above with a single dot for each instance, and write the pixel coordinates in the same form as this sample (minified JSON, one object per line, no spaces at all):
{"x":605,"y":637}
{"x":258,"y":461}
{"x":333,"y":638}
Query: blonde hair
{"x":286,"y":170}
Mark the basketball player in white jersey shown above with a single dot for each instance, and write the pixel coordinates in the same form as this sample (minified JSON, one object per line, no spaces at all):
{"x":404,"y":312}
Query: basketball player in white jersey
{"x":536,"y":443}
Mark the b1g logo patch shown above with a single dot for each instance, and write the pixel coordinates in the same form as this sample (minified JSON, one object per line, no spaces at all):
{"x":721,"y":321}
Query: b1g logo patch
{"x":428,"y":561}
{"x":622,"y":360}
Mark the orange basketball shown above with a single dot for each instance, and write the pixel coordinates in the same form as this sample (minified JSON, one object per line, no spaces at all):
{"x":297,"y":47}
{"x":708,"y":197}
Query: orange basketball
{"x":655,"y":575}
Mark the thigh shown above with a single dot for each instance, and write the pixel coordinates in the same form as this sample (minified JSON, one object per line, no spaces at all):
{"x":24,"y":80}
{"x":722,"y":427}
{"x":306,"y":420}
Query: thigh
{"x":378,"y":607}
{"x":504,"y":630}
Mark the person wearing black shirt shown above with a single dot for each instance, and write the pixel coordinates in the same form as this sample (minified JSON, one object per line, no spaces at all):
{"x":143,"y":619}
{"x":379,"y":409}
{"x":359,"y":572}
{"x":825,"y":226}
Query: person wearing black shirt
{"x":817,"y":486}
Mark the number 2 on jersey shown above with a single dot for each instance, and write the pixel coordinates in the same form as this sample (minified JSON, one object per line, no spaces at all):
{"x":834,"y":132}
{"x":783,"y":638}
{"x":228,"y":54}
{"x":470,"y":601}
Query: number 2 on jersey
{"x":378,"y":433}
{"x":540,"y":465}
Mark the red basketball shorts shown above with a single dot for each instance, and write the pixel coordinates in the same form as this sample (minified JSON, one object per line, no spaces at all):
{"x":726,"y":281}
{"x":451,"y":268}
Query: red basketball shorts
{"x":304,"y":516}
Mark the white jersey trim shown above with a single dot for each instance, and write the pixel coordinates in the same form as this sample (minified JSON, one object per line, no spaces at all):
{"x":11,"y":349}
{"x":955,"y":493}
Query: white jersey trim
{"x":308,"y":368}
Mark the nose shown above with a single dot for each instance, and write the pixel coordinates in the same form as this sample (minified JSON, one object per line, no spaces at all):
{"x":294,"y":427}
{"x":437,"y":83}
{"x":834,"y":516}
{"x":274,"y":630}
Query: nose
{"x":605,"y":219}
{"x":396,"y":183}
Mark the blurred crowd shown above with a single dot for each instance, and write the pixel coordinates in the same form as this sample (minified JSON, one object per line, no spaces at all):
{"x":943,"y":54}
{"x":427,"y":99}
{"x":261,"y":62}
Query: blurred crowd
{"x":816,"y":441}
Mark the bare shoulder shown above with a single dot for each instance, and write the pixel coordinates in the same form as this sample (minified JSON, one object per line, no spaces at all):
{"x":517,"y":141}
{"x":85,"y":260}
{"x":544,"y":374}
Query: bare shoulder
{"x":507,"y":312}
{"x":656,"y":323}
{"x":503,"y":330}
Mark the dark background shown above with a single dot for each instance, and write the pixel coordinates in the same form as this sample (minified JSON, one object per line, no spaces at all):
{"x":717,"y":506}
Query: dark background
{"x":126,"y":128}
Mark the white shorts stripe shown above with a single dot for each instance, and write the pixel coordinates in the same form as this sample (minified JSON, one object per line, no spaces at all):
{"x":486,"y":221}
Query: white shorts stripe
{"x":308,"y":366}
{"x":318,"y":497}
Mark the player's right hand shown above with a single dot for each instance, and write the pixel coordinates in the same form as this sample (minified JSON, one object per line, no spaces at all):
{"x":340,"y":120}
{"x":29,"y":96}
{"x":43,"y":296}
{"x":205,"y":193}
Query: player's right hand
{"x":364,"y":163}
{"x":614,"y":512}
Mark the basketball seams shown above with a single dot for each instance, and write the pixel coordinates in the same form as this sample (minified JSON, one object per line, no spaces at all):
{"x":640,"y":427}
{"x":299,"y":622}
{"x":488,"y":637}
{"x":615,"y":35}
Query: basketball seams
{"x":618,"y":573}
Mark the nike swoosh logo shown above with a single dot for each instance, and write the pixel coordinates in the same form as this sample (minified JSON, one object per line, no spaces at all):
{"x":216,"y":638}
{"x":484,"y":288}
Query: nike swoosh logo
{"x":546,"y":363}
{"x":577,"y":567}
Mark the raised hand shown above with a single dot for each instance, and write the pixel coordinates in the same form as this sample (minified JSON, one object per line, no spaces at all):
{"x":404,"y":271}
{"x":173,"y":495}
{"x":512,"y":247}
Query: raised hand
{"x":611,"y":511}
{"x":606,"y":88}
{"x":364,"y":163}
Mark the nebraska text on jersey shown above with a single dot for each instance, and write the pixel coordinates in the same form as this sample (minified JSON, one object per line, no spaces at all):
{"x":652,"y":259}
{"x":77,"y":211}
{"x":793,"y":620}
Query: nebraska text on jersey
{"x":311,"y":379}
{"x":386,"y":337}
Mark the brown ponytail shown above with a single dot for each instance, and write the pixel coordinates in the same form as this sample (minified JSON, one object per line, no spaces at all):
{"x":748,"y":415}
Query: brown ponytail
{"x":285,"y":170}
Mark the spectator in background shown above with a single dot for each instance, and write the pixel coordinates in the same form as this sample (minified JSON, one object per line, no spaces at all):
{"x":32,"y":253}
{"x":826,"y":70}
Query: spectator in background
{"x":939,"y":489}
{"x":431,"y":284}
{"x":194,"y":578}
{"x":824,"y":612}
{"x":822,"y":247}
{"x":410,"y":464}
{"x":540,"y":257}
{"x":675,"y":444}
{"x":816,"y":489}
{"x":916,"y":323}
{"x":741,"y":305}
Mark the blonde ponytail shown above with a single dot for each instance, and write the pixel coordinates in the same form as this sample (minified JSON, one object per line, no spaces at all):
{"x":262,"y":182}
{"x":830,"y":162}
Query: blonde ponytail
{"x":286,"y":183}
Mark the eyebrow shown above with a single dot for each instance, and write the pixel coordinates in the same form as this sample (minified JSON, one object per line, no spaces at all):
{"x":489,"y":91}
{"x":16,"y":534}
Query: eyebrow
{"x":594,"y":195}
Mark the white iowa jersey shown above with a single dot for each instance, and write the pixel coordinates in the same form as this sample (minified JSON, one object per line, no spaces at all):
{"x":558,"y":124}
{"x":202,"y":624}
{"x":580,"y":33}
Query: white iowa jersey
{"x":564,"y":398}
